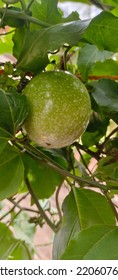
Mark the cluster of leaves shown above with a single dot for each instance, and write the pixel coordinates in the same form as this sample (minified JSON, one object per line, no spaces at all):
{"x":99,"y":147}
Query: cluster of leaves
{"x":40,"y":37}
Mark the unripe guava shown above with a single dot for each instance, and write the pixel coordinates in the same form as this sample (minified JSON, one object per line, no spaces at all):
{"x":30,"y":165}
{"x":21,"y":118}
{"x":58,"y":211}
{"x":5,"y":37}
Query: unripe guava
{"x":59,"y":109}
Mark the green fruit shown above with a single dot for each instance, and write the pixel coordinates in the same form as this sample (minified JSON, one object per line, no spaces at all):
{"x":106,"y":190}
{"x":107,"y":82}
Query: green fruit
{"x":59,"y":109}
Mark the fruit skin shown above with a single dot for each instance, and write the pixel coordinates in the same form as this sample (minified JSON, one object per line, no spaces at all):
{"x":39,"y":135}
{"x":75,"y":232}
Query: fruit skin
{"x":59,"y":109}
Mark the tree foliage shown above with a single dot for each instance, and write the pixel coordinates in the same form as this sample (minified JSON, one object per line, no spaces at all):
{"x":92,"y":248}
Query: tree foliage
{"x":39,"y":37}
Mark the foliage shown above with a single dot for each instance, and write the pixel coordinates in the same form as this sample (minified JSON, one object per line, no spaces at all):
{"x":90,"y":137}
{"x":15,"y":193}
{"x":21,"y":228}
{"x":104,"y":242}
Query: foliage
{"x":38,"y":37}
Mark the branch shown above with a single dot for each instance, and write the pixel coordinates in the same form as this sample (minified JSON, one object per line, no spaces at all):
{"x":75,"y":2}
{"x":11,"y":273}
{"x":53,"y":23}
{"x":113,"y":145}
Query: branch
{"x":40,"y":156}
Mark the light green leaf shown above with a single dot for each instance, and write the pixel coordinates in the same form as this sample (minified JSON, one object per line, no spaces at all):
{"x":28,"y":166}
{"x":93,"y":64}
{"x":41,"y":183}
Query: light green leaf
{"x":24,"y":230}
{"x":100,"y":31}
{"x":20,"y":252}
{"x":95,"y":243}
{"x":11,"y":171}
{"x":88,"y":56}
{"x":6,"y":44}
{"x":33,"y":56}
{"x":82,"y":209}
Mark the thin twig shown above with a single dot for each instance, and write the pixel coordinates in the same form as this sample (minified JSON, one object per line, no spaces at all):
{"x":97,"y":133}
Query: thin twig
{"x":110,"y":134}
{"x":58,"y":204}
{"x":12,"y":209}
{"x":84,"y":162}
{"x":22,"y":208}
{"x":7,"y":33}
{"x":88,"y":151}
{"x":41,"y":211}
{"x":29,"y":5}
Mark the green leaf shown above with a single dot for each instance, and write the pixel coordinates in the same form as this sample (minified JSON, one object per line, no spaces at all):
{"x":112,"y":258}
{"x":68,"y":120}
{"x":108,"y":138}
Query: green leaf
{"x":82,"y":209}
{"x":6,"y":44}
{"x":13,"y":111}
{"x":105,"y":93}
{"x":108,"y":67}
{"x":7,"y":242}
{"x":11,"y":171}
{"x":96,"y":129}
{"x":100,"y":31}
{"x":95,"y":243}
{"x":33,"y":56}
{"x":110,"y":3}
{"x":72,"y":17}
{"x":11,"y":248}
{"x":107,"y":169}
{"x":19,"y":40}
{"x":70,"y":225}
{"x":88,"y":56}
{"x":44,"y":180}
{"x":20,"y":252}
{"x":3,"y":144}
{"x":47,"y":11}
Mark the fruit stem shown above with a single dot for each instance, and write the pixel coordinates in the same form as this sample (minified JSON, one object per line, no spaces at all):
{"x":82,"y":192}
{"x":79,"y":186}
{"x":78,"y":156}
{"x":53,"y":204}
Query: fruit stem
{"x":23,"y":16}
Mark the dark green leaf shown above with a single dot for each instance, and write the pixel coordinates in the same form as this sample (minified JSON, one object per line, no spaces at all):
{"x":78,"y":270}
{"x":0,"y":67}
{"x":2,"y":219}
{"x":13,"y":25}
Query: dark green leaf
{"x":94,"y":243}
{"x":88,"y":56}
{"x":105,"y":93}
{"x":82,"y":209}
{"x":13,"y":111}
{"x":33,"y":56}
{"x":107,"y":169}
{"x":11,"y":172}
{"x":100,"y":31}
{"x":96,"y":129}
{"x":19,"y":40}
